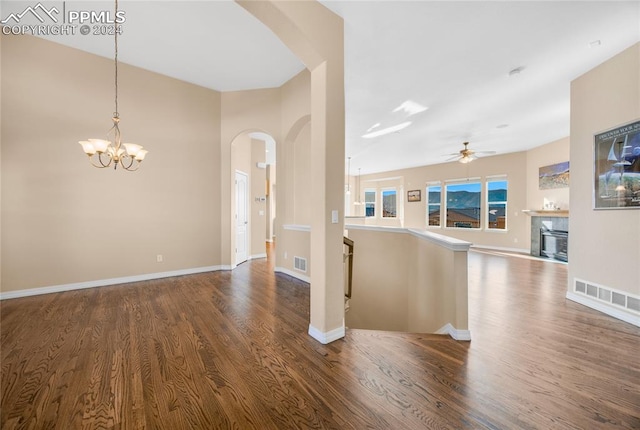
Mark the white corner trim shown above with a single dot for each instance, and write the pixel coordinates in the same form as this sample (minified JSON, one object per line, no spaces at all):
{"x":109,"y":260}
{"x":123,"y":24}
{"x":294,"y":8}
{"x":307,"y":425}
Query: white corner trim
{"x":293,"y":274}
{"x":328,"y":337}
{"x":297,"y":227}
{"x":463,"y":335}
{"x":448,"y":242}
{"x":257,"y":256}
{"x":503,"y":249}
{"x":107,"y":282}
{"x":440,"y":239}
{"x":386,"y":229}
{"x":604,"y":308}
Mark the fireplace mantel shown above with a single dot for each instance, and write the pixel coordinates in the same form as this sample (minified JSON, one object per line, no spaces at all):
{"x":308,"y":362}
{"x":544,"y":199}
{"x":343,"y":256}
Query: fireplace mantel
{"x":547,"y":213}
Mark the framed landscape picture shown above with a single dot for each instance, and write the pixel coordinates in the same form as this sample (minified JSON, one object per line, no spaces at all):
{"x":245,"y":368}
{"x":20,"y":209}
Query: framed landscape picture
{"x":617,"y":168}
{"x":413,"y":195}
{"x":554,"y":176}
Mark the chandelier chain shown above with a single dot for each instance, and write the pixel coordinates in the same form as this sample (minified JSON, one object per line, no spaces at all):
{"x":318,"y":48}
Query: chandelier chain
{"x":115,"y":31}
{"x":104,"y":153}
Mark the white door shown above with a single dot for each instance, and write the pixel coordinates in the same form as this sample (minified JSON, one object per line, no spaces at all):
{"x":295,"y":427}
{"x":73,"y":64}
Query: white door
{"x":242,"y":219}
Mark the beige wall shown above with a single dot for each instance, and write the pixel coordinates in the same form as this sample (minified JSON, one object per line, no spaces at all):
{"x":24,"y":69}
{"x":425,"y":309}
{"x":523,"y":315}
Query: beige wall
{"x":379,"y":294}
{"x":315,"y":34}
{"x":302,"y":194}
{"x":604,"y":245}
{"x":297,"y":243}
{"x":64,"y":221}
{"x":413,"y":214}
{"x":179,"y":204}
{"x":258,"y":199}
{"x":241,"y":112}
{"x":291,"y":196}
{"x":406,"y":282}
{"x":545,"y":155}
{"x":271,"y":202}
{"x":156,"y":111}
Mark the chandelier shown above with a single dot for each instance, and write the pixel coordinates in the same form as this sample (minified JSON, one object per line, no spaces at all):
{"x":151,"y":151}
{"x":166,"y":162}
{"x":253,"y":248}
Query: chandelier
{"x":104,"y":153}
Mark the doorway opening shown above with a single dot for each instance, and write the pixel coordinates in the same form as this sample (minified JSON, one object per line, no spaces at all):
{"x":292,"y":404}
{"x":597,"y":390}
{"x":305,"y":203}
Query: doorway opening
{"x":254,"y":205}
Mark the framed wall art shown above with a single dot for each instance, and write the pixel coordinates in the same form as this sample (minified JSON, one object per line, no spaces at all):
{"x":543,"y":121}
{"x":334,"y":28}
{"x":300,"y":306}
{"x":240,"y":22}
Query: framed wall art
{"x":617,"y":168}
{"x":414,"y":196}
{"x":554,"y":176}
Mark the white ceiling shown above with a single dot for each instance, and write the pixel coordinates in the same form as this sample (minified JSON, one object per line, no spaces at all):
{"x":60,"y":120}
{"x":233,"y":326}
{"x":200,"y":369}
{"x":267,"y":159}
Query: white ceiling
{"x":452,"y":57}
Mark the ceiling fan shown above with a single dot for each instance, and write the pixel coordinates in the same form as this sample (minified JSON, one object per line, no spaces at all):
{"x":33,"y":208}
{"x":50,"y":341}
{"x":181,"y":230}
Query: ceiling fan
{"x":467,"y":155}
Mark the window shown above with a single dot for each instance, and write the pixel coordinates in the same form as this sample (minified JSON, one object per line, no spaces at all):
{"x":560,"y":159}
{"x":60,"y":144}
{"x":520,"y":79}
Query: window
{"x":370,"y":202}
{"x":497,"y":204}
{"x":389,"y":203}
{"x":463,"y":205}
{"x":433,"y":204}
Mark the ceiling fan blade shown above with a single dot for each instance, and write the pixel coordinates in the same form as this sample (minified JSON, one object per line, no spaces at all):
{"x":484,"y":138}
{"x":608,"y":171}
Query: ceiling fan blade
{"x":457,"y":157}
{"x":485,"y":152}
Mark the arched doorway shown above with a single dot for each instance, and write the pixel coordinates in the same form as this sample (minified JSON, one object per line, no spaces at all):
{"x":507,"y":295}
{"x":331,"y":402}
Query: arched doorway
{"x":253,"y":165}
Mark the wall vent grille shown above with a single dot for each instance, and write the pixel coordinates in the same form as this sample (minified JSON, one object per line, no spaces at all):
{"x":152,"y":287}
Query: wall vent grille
{"x":620,"y":299}
{"x":300,"y":264}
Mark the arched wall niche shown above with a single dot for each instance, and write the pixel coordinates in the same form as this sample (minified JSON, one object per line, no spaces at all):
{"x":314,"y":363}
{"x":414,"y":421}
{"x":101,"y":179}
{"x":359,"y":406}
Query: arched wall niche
{"x":297,"y":144}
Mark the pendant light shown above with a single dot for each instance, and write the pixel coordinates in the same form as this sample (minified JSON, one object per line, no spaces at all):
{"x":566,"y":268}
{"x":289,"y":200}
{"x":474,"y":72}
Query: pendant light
{"x":104,"y":153}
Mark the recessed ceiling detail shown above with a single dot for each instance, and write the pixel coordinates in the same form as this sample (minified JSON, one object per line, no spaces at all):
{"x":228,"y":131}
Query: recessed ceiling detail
{"x":410,"y":108}
{"x":387,"y":130}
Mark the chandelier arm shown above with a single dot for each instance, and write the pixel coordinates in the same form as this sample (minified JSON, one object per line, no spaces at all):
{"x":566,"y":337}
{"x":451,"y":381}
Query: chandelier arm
{"x":123,"y":164}
{"x":110,"y":158}
{"x":130,"y":167}
{"x":101,"y":165}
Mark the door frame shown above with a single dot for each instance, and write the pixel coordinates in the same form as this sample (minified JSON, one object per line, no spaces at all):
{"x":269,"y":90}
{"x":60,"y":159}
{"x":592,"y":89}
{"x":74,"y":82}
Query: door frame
{"x":235,"y":218}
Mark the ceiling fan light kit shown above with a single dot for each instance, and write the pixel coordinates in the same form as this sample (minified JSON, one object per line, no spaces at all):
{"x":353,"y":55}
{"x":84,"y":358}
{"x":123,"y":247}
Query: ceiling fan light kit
{"x":467,"y":155}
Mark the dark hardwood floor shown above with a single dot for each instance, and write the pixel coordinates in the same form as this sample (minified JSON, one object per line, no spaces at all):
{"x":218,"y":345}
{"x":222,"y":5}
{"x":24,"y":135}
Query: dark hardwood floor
{"x":230,"y":350}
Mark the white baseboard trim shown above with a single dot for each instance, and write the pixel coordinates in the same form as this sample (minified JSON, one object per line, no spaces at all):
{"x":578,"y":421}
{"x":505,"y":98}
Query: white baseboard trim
{"x":257,"y":256}
{"x":106,"y":282}
{"x":293,"y":274}
{"x":328,"y":337}
{"x":455,"y":333}
{"x":602,"y":307}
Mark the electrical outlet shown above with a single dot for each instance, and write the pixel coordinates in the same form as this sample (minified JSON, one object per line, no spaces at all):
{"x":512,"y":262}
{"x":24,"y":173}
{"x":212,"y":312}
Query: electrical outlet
{"x":285,"y":255}
{"x":159,"y":258}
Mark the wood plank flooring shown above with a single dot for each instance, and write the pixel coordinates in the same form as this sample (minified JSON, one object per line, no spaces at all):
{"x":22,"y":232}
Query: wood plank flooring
{"x":230,"y":350}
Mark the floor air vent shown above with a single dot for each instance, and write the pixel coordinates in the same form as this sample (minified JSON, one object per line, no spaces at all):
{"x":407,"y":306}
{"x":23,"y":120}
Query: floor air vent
{"x":300,"y":264}
{"x":608,"y":295}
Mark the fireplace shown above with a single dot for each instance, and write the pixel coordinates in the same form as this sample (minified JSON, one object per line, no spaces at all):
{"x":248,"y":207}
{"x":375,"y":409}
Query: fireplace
{"x":554,"y":243}
{"x":549,"y":234}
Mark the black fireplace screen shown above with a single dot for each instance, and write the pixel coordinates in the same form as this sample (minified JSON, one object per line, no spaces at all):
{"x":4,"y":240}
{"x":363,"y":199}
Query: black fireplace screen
{"x":554,"y":244}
